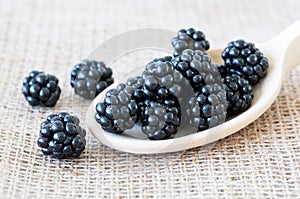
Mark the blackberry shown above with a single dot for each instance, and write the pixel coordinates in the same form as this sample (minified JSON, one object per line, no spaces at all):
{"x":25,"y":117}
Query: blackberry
{"x":162,"y":81}
{"x":245,"y":60}
{"x":207,"y":108}
{"x":159,"y":121}
{"x":118,"y":112}
{"x":189,"y":39}
{"x":61,"y":136}
{"x":196,"y":66}
{"x":239,"y":94}
{"x":89,"y":78}
{"x":41,"y":89}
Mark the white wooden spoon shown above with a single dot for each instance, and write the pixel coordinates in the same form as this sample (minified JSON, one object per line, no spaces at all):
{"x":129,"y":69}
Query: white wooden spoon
{"x":283,"y":52}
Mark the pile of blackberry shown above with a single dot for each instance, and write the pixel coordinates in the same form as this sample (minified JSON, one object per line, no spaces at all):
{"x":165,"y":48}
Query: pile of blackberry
{"x":188,"y":90}
{"x":168,"y":85}
{"x":244,"y":66}
{"x":159,"y":84}
{"x":41,"y":89}
{"x":173,"y":93}
{"x":89,"y":78}
{"x":61,"y":136}
{"x":189,"y":39}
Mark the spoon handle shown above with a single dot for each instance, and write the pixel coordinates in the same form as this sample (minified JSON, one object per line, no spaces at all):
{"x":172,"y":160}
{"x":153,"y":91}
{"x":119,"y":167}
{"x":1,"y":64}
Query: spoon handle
{"x":286,"y":47}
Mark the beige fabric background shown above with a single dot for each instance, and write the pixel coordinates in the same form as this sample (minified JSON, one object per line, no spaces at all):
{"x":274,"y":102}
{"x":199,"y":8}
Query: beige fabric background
{"x":260,"y":161}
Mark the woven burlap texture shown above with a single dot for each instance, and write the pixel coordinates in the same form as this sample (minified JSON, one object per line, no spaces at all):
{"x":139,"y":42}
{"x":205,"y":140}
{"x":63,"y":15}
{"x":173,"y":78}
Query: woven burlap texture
{"x":260,"y":161}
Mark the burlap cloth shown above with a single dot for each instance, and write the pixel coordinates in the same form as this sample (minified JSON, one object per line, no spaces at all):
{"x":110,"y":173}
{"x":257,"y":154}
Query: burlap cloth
{"x":260,"y":161}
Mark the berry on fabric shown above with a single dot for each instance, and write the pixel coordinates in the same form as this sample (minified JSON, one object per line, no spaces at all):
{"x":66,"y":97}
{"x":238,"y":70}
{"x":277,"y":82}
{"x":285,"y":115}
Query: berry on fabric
{"x":41,"y":89}
{"x":61,"y":136}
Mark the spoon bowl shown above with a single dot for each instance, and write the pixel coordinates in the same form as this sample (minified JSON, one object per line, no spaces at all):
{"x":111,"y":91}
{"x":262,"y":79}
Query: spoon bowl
{"x":283,"y":53}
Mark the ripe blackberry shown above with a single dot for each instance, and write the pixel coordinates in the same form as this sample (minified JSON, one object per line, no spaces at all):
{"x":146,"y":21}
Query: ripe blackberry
{"x":118,"y":112}
{"x":41,"y":89}
{"x":189,"y":39}
{"x":207,"y":108}
{"x":159,"y":121}
{"x":89,"y":78}
{"x":162,"y":81}
{"x":245,"y":60}
{"x":196,"y":66}
{"x":61,"y":136}
{"x":239,"y":94}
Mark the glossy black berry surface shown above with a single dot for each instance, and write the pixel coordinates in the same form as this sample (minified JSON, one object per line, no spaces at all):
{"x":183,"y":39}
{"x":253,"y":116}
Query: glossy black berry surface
{"x":89,"y":78}
{"x":119,"y":112}
{"x":189,"y":39}
{"x":162,"y":81}
{"x":160,"y":121}
{"x":244,"y":59}
{"x":207,"y":108}
{"x":196,"y":66}
{"x":239,"y":94}
{"x":61,"y":136}
{"x":40,"y":89}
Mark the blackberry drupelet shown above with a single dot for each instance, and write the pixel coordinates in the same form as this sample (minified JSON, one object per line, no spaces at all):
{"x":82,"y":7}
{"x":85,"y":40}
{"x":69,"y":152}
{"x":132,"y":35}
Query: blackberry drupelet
{"x":41,"y":89}
{"x":90,"y":77}
{"x":189,"y":39}
{"x":163,"y":82}
{"x":245,"y":60}
{"x":207,"y":108}
{"x":239,"y":94}
{"x":160,"y":121}
{"x":196,"y":66}
{"x":119,"y":112}
{"x":61,"y":136}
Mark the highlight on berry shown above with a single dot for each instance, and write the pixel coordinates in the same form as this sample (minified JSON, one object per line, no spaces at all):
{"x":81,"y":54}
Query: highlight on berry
{"x":90,"y":77}
{"x":40,"y":89}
